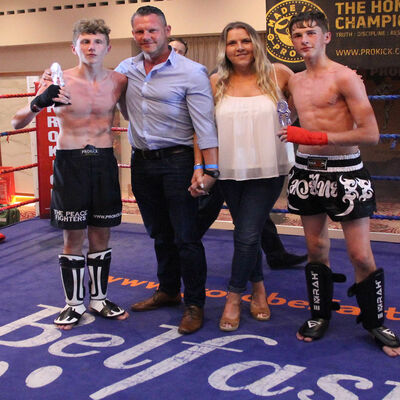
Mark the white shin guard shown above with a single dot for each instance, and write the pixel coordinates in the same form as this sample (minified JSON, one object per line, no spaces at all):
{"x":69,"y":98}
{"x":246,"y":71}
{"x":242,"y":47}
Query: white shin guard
{"x":72,"y":276}
{"x":99,"y":268}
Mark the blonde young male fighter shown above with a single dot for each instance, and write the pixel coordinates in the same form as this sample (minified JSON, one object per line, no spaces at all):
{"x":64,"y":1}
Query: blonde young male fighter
{"x":86,"y":193}
{"x":329,"y":179}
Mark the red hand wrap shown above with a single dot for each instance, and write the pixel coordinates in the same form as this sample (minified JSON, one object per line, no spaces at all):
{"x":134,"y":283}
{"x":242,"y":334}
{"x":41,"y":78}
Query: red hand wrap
{"x":303,"y":136}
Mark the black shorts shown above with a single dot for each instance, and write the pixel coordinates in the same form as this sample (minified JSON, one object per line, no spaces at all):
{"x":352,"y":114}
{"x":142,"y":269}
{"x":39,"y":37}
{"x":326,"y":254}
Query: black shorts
{"x":85,"y":189}
{"x":339,"y":186}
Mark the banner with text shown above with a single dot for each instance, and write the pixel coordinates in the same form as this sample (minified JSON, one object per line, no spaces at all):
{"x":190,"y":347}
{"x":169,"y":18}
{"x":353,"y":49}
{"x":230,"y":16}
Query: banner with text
{"x":365,"y":33}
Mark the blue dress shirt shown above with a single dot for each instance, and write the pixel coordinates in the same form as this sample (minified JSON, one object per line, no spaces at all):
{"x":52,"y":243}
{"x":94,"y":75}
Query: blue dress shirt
{"x":168,"y":104}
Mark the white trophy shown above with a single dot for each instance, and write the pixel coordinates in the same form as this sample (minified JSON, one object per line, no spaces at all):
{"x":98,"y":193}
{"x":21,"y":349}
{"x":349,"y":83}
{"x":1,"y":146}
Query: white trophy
{"x":285,"y":121}
{"x":284,"y":113}
{"x":57,"y":74}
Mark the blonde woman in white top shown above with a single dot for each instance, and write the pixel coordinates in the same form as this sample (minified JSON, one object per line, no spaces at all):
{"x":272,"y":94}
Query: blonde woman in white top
{"x":252,"y":160}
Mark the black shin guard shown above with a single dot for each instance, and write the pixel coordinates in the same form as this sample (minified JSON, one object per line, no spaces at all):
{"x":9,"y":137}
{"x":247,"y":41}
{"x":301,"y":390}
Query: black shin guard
{"x":99,"y":267}
{"x":370,"y":294}
{"x":320,"y":293}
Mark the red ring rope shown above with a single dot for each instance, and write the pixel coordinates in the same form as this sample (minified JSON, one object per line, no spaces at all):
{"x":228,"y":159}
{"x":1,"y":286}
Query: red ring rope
{"x":115,"y":129}
{"x":9,"y":96}
{"x":17,"y":131}
{"x":22,"y":203}
{"x":18,"y":168}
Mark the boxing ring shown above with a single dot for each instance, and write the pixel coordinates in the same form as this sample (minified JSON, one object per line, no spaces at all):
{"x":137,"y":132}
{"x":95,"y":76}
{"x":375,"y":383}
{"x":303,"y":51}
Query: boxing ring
{"x":144,"y":357}
{"x":46,"y":136}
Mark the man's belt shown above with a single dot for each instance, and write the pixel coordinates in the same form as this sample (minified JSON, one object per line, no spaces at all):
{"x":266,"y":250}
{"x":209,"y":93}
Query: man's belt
{"x":161,"y":153}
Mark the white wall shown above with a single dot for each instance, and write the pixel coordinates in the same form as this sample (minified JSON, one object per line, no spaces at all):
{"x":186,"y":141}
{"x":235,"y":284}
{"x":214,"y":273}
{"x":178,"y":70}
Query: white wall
{"x":29,"y":42}
{"x":187,"y":17}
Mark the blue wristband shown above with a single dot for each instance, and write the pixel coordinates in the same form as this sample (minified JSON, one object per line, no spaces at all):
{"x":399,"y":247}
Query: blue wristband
{"x":209,"y":166}
{"x":198,"y":166}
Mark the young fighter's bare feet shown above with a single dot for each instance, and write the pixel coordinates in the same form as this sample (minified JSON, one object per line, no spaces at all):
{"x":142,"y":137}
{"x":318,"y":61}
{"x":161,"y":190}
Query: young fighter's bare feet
{"x":391,"y":351}
{"x":107,"y":309}
{"x":312,"y":329}
{"x":122,"y":317}
{"x":66,"y":327}
{"x":386,"y":339}
{"x":303,"y":338}
{"x":69,"y":316}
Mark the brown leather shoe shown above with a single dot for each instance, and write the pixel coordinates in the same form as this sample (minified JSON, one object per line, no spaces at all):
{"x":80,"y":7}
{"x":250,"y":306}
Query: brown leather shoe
{"x":159,"y":299}
{"x":192,"y":320}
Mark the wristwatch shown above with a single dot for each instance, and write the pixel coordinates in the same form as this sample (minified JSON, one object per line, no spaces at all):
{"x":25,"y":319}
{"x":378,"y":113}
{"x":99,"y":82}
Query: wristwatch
{"x":214,"y":173}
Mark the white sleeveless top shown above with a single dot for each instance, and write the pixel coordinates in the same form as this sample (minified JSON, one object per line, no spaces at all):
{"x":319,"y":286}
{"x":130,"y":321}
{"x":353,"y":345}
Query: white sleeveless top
{"x":248,"y":145}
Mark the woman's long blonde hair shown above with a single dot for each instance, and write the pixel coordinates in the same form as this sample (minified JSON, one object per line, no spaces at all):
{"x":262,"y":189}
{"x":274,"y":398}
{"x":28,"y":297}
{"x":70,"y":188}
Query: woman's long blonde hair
{"x":262,"y":65}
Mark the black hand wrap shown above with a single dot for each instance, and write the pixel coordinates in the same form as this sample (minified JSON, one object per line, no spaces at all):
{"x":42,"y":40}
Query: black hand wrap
{"x":46,"y":98}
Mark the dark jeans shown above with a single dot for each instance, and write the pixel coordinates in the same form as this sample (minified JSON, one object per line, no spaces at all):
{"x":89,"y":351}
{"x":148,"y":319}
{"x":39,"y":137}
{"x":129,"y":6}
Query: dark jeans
{"x":169,"y":214}
{"x":209,"y":208}
{"x":271,"y":242}
{"x":249,"y":203}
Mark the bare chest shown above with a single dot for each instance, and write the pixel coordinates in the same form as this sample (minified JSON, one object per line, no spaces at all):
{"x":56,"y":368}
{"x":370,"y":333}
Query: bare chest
{"x":320,"y":94}
{"x":92,"y":100}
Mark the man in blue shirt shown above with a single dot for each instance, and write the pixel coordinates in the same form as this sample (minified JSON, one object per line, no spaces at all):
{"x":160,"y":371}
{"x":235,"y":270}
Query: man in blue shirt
{"x":167,"y":99}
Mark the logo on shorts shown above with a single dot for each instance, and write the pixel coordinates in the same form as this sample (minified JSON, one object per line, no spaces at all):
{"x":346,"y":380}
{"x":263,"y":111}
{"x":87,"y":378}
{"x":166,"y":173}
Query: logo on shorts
{"x":355,"y":190}
{"x":279,"y":44}
{"x":90,"y":152}
{"x":70,"y":216}
{"x":319,"y":163}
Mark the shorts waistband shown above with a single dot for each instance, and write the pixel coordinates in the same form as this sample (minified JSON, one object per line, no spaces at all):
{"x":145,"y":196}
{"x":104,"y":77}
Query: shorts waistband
{"x":324,"y":163}
{"x":88,"y":150}
{"x":161,"y":153}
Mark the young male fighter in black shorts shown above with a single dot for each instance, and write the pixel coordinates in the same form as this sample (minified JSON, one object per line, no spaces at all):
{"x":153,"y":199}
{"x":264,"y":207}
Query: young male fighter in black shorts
{"x":86,"y":193}
{"x":329,"y":179}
